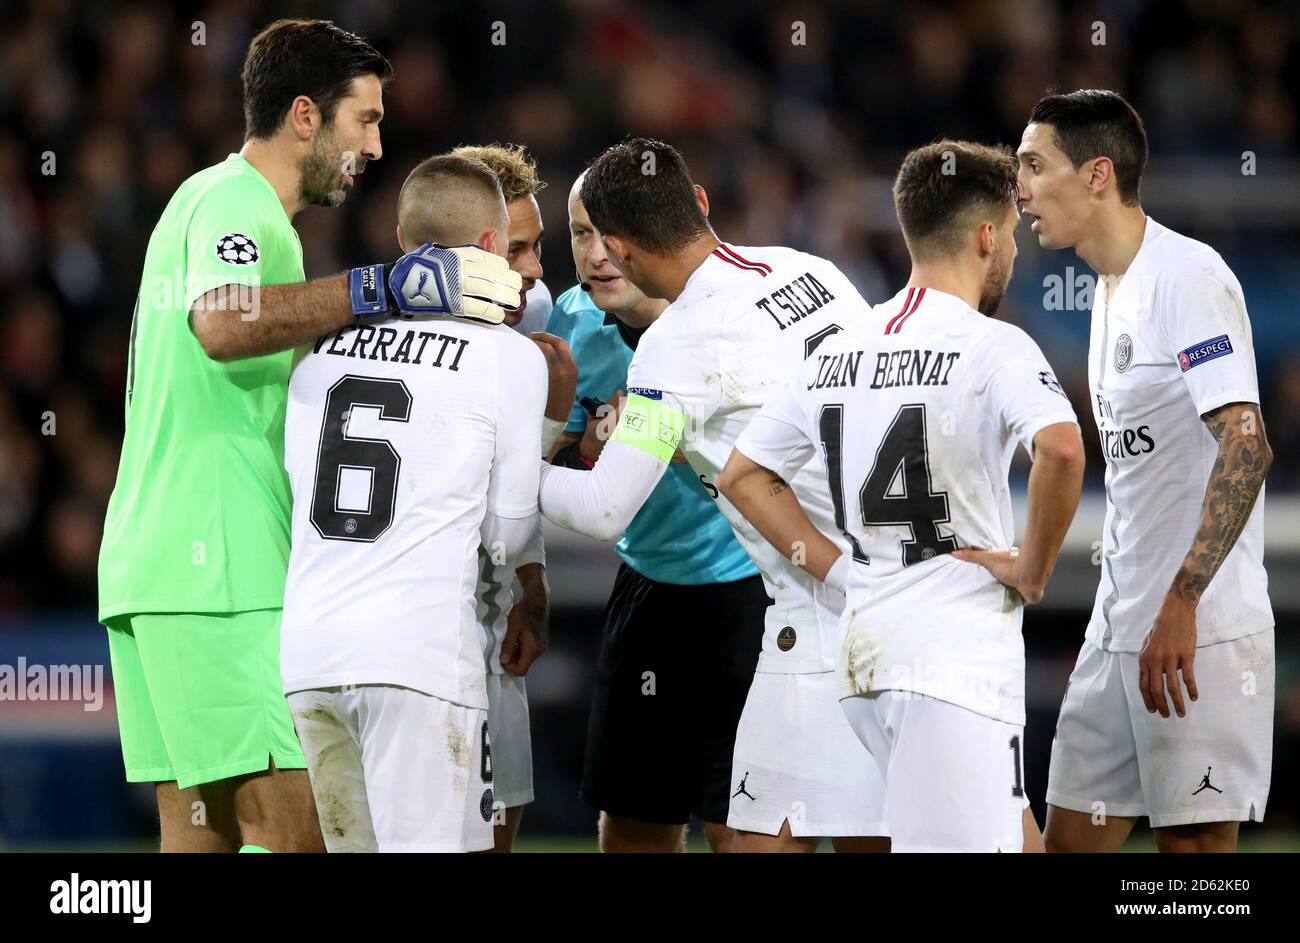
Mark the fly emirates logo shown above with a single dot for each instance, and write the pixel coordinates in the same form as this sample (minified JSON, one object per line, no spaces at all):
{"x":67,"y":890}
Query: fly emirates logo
{"x":1118,"y":442}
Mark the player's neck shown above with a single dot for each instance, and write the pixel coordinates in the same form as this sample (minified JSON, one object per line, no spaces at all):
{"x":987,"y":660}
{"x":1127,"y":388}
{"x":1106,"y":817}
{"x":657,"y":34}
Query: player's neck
{"x":1113,"y":240}
{"x":949,"y":280}
{"x":679,"y":268}
{"x":643,"y":314}
{"x":280,"y":169}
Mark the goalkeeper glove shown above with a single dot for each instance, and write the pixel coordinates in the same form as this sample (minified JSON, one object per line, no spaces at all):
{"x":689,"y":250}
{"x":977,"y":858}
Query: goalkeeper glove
{"x":464,"y":281}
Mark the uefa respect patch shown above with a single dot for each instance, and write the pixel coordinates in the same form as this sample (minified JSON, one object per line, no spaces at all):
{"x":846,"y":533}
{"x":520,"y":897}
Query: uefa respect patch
{"x":1205,"y":351}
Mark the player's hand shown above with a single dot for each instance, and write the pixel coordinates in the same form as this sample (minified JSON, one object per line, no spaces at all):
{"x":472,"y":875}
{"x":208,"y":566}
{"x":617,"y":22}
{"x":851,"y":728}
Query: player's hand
{"x":528,"y":626}
{"x":1169,"y":648}
{"x":1005,"y":567}
{"x":562,"y":372}
{"x":600,"y":428}
{"x":464,"y":281}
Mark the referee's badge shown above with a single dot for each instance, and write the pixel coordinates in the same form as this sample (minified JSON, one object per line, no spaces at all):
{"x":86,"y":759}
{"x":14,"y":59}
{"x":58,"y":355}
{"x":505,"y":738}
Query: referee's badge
{"x":1123,"y":352}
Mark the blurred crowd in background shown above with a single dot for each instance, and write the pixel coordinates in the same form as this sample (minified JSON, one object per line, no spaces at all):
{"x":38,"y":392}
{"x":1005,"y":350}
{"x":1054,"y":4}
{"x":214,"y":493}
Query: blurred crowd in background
{"x":793,"y":115}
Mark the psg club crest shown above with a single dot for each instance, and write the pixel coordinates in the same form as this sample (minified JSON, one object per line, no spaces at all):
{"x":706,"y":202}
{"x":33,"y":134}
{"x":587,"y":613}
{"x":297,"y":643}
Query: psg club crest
{"x":1123,"y":352}
{"x":237,"y":249}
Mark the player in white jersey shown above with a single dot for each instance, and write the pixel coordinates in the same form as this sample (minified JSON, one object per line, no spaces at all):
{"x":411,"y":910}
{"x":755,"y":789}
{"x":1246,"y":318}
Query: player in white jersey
{"x":407,"y":445}
{"x":739,"y":321}
{"x":1183,"y":598}
{"x":515,"y":631}
{"x":915,"y":413}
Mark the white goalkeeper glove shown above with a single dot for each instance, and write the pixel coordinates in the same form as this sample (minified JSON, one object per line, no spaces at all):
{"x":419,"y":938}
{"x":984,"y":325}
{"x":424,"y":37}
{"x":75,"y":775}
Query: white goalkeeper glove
{"x":464,"y":281}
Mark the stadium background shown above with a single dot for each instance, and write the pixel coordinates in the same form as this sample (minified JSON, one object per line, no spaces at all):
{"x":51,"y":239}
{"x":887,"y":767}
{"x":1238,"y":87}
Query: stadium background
{"x":106,"y":107}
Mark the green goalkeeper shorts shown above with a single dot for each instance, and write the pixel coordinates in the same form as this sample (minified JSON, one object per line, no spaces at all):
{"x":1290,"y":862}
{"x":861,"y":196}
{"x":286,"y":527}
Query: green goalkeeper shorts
{"x":200,"y":697}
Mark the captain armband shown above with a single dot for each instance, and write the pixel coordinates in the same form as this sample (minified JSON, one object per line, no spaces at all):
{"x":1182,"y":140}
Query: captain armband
{"x":651,"y":426}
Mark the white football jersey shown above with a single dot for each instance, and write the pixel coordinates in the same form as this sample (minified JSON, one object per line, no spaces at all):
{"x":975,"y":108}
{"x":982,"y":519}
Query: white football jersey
{"x":1172,"y":344}
{"x":399,"y":438}
{"x":916,"y":413}
{"x":747,"y":318}
{"x":494,"y":594}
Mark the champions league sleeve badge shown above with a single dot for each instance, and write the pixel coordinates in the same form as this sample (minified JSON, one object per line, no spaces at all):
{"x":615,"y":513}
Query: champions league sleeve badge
{"x":237,"y":249}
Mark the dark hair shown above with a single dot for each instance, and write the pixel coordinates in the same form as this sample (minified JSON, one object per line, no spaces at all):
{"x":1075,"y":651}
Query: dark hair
{"x":449,"y":199}
{"x":940,"y":188}
{"x":641,"y":190}
{"x":1094,"y":123}
{"x":303,"y":57}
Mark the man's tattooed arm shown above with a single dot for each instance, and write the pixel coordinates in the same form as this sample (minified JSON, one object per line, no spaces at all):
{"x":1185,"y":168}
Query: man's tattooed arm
{"x":1239,"y":469}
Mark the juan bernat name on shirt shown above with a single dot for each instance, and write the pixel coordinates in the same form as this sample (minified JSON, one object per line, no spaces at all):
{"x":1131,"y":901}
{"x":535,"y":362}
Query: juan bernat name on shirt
{"x":912,"y":367}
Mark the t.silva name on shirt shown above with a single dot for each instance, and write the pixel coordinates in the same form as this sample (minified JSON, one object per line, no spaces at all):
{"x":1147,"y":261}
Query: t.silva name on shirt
{"x":798,"y":299}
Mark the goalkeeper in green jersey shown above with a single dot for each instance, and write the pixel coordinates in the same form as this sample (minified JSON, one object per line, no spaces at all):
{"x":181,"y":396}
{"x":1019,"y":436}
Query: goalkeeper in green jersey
{"x":196,"y":539}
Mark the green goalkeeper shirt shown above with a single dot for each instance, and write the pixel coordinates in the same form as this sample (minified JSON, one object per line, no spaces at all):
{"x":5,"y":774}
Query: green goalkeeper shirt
{"x":199,"y":517}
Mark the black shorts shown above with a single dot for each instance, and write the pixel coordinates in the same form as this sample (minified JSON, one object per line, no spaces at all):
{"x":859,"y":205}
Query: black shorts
{"x":675,"y":667}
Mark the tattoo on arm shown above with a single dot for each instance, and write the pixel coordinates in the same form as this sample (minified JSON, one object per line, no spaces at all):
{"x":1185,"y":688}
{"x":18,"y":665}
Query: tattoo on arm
{"x":1235,"y":482}
{"x":777,"y":487}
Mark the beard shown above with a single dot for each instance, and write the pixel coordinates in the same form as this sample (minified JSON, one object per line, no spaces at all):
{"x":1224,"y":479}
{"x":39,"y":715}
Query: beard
{"x":322,"y":174}
{"x":990,"y":298}
{"x":995,"y":288}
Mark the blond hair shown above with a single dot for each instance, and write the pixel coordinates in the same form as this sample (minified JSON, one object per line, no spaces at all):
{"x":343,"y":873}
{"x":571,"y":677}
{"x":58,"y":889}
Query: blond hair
{"x":516,"y":171}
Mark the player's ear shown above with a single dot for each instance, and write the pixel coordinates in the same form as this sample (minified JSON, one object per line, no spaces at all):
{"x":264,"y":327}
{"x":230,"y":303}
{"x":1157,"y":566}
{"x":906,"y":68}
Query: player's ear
{"x":702,"y":198}
{"x":304,"y":117}
{"x":988,"y":239}
{"x":617,"y":250}
{"x":401,"y":239}
{"x":1101,"y":172}
{"x":488,"y":242}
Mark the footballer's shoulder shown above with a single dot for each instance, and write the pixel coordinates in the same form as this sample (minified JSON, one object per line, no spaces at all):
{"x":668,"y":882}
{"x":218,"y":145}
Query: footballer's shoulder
{"x":230,"y":177}
{"x":503,"y":334}
{"x":220,"y":188}
{"x":1002,"y":340}
{"x":1178,"y":255}
{"x":514,"y":350}
{"x":760,"y":256}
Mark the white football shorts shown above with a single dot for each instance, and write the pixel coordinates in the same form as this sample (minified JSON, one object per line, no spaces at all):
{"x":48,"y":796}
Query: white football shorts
{"x":394,"y":769}
{"x":1111,"y":757}
{"x":954,"y":779}
{"x":511,"y":739}
{"x":796,"y":758}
